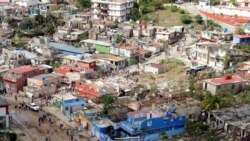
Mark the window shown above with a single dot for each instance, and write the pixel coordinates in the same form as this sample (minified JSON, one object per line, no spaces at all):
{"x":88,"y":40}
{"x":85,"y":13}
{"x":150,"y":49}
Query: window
{"x":149,"y":123}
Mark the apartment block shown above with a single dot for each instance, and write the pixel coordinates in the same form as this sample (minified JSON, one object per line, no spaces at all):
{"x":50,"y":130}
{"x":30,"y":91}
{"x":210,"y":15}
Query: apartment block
{"x":112,"y":9}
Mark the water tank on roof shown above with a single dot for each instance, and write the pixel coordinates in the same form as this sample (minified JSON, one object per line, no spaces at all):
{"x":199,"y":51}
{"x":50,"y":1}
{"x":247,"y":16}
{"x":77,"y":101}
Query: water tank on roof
{"x":43,"y":78}
{"x":168,"y":115}
{"x":172,"y":109}
{"x":225,"y":29}
{"x":113,"y":44}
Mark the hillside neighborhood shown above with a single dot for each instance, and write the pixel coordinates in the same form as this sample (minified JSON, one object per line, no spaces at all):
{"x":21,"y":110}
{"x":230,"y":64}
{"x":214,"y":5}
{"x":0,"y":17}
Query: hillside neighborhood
{"x":124,"y":70}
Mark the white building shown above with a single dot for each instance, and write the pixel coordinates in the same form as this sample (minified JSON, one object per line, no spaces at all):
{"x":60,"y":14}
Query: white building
{"x":154,"y":68}
{"x":27,"y":3}
{"x":126,"y":50}
{"x":242,"y":11}
{"x":111,"y":9}
{"x":230,"y":82}
{"x":212,"y":54}
{"x":4,"y":115}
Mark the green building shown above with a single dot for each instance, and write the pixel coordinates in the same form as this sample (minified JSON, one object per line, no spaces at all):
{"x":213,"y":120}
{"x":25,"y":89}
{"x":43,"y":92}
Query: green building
{"x":100,"y":46}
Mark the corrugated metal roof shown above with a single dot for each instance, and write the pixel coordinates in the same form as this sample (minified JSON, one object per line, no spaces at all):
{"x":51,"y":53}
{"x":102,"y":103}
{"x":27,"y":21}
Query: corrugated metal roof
{"x":66,"y":48}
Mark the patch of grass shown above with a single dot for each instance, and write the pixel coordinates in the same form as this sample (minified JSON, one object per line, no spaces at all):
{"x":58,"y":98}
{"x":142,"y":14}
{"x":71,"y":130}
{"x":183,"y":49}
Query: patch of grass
{"x":168,"y":18}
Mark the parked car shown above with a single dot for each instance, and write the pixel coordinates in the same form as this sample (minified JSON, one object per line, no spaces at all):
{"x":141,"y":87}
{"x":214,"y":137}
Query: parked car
{"x":33,"y":106}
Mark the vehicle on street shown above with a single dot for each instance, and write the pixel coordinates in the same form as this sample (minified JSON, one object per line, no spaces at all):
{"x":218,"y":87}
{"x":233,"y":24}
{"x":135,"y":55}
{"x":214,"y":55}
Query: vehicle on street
{"x":33,"y":106}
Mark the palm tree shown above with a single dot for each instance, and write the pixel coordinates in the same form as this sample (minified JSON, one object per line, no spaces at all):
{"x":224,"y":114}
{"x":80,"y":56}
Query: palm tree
{"x":212,"y":102}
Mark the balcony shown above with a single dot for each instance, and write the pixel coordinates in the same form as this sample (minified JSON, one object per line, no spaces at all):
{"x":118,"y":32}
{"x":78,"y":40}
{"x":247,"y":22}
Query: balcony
{"x":104,"y":8}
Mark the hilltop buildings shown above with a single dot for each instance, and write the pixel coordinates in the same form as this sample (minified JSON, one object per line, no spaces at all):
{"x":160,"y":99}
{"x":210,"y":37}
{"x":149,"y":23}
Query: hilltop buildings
{"x":112,"y":9}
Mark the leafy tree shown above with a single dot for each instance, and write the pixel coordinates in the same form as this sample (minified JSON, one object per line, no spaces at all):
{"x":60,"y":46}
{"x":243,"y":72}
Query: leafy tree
{"x":164,"y":136}
{"x":135,"y":14}
{"x":108,"y":100}
{"x":116,"y":22}
{"x":182,"y":11}
{"x":118,"y":39}
{"x":84,"y":3}
{"x":110,"y":131}
{"x":55,"y":64}
{"x":26,"y":23}
{"x":51,"y":19}
{"x":246,"y":48}
{"x":186,"y":19}
{"x":191,"y":83}
{"x":239,"y":30}
{"x":174,"y":8}
{"x":158,"y":4}
{"x":50,"y":29}
{"x":198,"y":19}
{"x":214,"y":2}
{"x":227,"y":59}
{"x":39,"y":20}
{"x":196,"y":129}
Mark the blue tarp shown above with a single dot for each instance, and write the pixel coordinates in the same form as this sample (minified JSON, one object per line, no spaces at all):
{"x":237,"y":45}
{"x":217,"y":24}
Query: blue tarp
{"x":66,"y":48}
{"x":73,"y":103}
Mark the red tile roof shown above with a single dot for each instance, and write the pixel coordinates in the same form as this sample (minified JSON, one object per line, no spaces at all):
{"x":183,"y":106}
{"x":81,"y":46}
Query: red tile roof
{"x":243,"y":36}
{"x":23,"y":69}
{"x":226,"y":19}
{"x":86,"y":89}
{"x":224,"y":80}
{"x":141,"y":52}
{"x":155,"y":65}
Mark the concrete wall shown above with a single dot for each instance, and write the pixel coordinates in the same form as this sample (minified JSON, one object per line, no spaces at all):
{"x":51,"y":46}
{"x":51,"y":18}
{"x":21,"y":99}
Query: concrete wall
{"x":224,"y":10}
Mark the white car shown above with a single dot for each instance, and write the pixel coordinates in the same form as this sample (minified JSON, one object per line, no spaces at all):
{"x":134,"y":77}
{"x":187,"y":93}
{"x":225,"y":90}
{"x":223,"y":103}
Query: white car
{"x":33,"y":106}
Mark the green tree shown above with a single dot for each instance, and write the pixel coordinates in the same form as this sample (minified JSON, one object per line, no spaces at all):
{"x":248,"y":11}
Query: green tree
{"x":196,"y":129}
{"x":198,"y":19}
{"x":239,"y":30}
{"x":110,"y":131}
{"x":245,"y":48}
{"x":191,"y":84}
{"x":84,"y":3}
{"x":135,"y":14}
{"x":118,"y":39}
{"x":214,"y":2}
{"x":50,"y":29}
{"x":116,"y":23}
{"x":39,"y":20}
{"x":108,"y":101}
{"x":186,"y":19}
{"x":174,"y":8}
{"x":227,"y":60}
{"x":158,"y":4}
{"x":51,"y":19}
{"x":182,"y":11}
{"x":164,"y":136}
{"x":212,"y":102}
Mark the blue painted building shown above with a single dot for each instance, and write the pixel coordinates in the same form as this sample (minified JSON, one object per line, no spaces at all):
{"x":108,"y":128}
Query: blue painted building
{"x":241,"y":39}
{"x":147,"y":126}
{"x":67,"y":103}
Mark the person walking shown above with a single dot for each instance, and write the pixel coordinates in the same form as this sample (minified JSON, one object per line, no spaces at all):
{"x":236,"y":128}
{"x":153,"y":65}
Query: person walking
{"x":16,"y":97}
